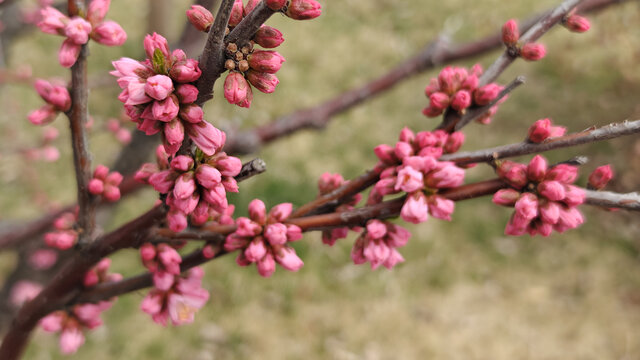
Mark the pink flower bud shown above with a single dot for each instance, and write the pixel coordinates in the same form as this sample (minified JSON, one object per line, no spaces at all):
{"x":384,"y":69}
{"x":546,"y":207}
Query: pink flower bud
{"x":186,"y":93}
{"x":533,"y":52}
{"x":177,"y":220}
{"x":431,"y":111}
{"x":236,"y":13}
{"x":109,"y":33}
{"x":208,"y":176}
{"x":43,"y":115}
{"x":96,"y":186}
{"x":406,"y":135}
{"x":235,"y":87}
{"x":173,"y":136}
{"x":537,"y":168}
{"x":268,"y":37}
{"x":303,"y":9}
{"x":97,"y":10}
{"x":229,"y":166}
{"x":564,"y":173}
{"x":527,"y":206}
{"x":191,"y":113}
{"x":147,"y":252}
{"x":162,"y":181}
{"x":294,"y":233}
{"x":246,"y":103}
{"x":506,"y":197}
{"x":600,"y":177}
{"x":440,"y":207}
{"x":230,"y":184}
{"x":136,"y":94}
{"x":486,"y":94}
{"x":256,"y":250}
{"x":386,"y":186}
{"x":556,"y":131}
{"x":329,"y":182}
{"x":111,"y":193}
{"x":470,"y":83}
{"x":265,"y":61}
{"x":574,"y":195}
{"x":549,"y":212}
{"x":77,"y":30}
{"x":182,"y":163}
{"x":264,"y":82}
{"x":276,"y":234}
{"x":510,"y":33}
{"x":280,"y":212}
{"x":570,"y":218}
{"x":145,"y":171}
{"x":447,"y":80}
{"x":461,"y":100}
{"x":155,"y":42}
{"x":53,"y":21}
{"x":454,"y":142}
{"x":386,"y":154}
{"x":439,"y":100}
{"x":185,"y":71}
{"x":68,"y":54}
{"x":446,"y":175}
{"x":101,"y":172}
{"x":376,"y":229}
{"x":403,"y":150}
{"x":126,"y":67}
{"x":409,"y":180}
{"x":165,"y":110}
{"x":266,"y":265}
{"x":288,"y":259}
{"x":71,"y":339}
{"x":207,"y":137}
{"x":540,"y":131}
{"x":415,"y":209}
{"x":577,"y":23}
{"x":158,"y":87}
{"x":552,"y":190}
{"x":515,"y":174}
{"x":200,"y":18}
{"x":185,"y":185}
{"x":216,"y":197}
{"x":275,"y":5}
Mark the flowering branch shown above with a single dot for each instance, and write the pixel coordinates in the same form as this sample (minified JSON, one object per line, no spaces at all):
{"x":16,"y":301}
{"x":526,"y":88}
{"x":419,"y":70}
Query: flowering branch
{"x":587,"y":136}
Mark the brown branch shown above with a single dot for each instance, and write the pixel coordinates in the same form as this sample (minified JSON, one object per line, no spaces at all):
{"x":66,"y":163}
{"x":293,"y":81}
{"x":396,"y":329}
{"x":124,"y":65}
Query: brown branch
{"x":252,"y":168}
{"x":250,"y":24}
{"x":587,"y":136}
{"x":212,"y":58}
{"x":608,"y":199}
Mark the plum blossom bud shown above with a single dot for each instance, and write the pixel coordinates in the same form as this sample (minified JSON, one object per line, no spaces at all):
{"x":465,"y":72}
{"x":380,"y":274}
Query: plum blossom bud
{"x":600,"y":177}
{"x":266,"y":61}
{"x":577,"y":23}
{"x":177,"y":220}
{"x":158,"y":87}
{"x":514,"y":173}
{"x":208,"y":176}
{"x":235,"y":87}
{"x":97,"y":10}
{"x":533,"y":52}
{"x":439,"y":101}
{"x":539,"y":131}
{"x":403,"y":150}
{"x":156,"y":42}
{"x":43,"y":115}
{"x":275,"y":5}
{"x":207,"y":137}
{"x":276,"y":234}
{"x":268,"y":37}
{"x":264,"y":82}
{"x":246,"y":103}
{"x":52,"y":21}
{"x":454,"y":142}
{"x":96,"y":186}
{"x":294,"y":233}
{"x":256,"y":250}
{"x":288,"y":259}
{"x":77,"y":30}
{"x":229,"y":166}
{"x":564,"y":173}
{"x":386,"y":154}
{"x":409,"y":180}
{"x":184,"y":187}
{"x":186,"y":93}
{"x":552,"y":190}
{"x":461,"y":100}
{"x":162,"y":181}
{"x":506,"y":197}
{"x":510,"y":33}
{"x":266,"y":266}
{"x":200,"y":18}
{"x":446,"y":175}
{"x":191,"y":113}
{"x":441,"y":207}
{"x":68,"y":54}
{"x":574,"y":195}
{"x":236,"y":13}
{"x":257,"y":211}
{"x":303,"y":9}
{"x":280,"y":212}
{"x":185,"y":71}
{"x":537,"y":168}
{"x":165,"y":110}
{"x":173,"y":136}
{"x":549,"y":212}
{"x":415,"y":209}
{"x":109,"y":33}
{"x":527,"y":206}
{"x":486,"y":94}
{"x":447,"y":80}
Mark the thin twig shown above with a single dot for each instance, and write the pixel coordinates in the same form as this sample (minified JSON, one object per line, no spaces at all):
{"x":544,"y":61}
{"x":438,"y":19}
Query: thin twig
{"x":252,"y":168}
{"x":250,"y":24}
{"x":587,"y":136}
{"x":608,"y":199}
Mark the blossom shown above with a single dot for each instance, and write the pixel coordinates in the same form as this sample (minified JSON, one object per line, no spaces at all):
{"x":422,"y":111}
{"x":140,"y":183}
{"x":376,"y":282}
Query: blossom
{"x":377,"y":245}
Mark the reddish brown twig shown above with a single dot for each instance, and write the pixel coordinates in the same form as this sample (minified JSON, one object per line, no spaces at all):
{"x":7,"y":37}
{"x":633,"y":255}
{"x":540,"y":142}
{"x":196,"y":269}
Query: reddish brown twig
{"x":587,"y":136}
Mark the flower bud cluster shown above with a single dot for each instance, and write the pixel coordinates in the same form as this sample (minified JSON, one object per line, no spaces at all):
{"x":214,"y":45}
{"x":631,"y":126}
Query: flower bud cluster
{"x":529,"y":51}
{"x":78,"y":30}
{"x":600,"y":177}
{"x":122,"y":134}
{"x":377,"y":244}
{"x":57,"y":99}
{"x":544,"y":197}
{"x":195,"y":187}
{"x":457,"y":88}
{"x":263,"y":239}
{"x":327,"y":183}
{"x":544,"y":129}
{"x":163,"y":261}
{"x":46,"y":151}
{"x":178,"y":300}
{"x":65,"y":236}
{"x":412,"y":167}
{"x":72,"y":322}
{"x":105,"y":183}
{"x":158,"y":95}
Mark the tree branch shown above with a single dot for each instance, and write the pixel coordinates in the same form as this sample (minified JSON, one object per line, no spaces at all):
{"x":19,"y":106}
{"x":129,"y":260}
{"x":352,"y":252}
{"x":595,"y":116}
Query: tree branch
{"x":608,"y":199}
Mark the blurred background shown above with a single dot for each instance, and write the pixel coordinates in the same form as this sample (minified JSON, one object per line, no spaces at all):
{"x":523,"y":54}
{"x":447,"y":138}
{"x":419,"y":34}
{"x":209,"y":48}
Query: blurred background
{"x":466,"y":291}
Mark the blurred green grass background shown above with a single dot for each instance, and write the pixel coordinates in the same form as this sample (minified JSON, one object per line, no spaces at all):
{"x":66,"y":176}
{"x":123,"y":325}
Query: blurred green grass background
{"x":466,"y":291}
